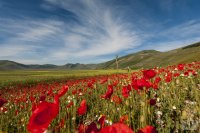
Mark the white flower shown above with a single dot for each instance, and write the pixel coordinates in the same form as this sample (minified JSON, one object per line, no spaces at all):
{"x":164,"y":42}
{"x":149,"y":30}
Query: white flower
{"x":187,"y":101}
{"x":193,"y":103}
{"x":174,"y":107}
{"x":159,"y":113}
{"x":158,"y":99}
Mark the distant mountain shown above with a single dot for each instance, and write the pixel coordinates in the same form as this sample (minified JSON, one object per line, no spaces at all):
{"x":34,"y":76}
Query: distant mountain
{"x":11,"y":65}
{"x":78,"y":66}
{"x":142,"y":59}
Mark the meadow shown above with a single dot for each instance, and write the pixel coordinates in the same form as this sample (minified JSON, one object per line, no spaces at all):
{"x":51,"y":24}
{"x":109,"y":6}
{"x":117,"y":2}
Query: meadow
{"x":156,"y":100}
{"x":30,"y":77}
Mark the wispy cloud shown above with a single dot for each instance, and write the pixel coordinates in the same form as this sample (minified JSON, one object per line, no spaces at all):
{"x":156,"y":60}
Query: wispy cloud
{"x":186,"y":30}
{"x":27,"y":38}
{"x":176,"y":36}
{"x":30,"y":30}
{"x":99,"y":31}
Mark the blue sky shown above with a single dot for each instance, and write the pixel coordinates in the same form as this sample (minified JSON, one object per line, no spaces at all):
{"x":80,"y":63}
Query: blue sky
{"x":92,"y":31}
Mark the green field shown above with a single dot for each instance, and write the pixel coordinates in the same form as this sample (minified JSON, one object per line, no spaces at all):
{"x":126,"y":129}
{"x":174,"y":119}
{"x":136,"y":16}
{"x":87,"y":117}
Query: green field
{"x":9,"y":78}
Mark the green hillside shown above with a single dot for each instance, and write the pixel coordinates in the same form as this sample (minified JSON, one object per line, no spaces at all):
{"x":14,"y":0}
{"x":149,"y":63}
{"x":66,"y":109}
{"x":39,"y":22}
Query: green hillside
{"x":151,"y":58}
{"x":10,"y":65}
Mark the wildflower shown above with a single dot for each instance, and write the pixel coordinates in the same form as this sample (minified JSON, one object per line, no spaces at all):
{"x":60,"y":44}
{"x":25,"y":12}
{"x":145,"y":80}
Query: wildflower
{"x":157,"y":80}
{"x":43,"y":115}
{"x":70,"y":104}
{"x":174,"y":107}
{"x":148,"y":129}
{"x":125,"y":92}
{"x":108,"y":93}
{"x":101,"y":120}
{"x":2,"y":102}
{"x":180,"y":67}
{"x":140,"y":84}
{"x":168,"y":78}
{"x":123,"y":118}
{"x":42,"y":98}
{"x":116,"y":99}
{"x":82,"y":108}
{"x":116,"y":128}
{"x":81,"y":128}
{"x":92,"y":128}
{"x":148,"y":74}
{"x":63,"y":91}
{"x":152,"y":101}
{"x":159,"y":114}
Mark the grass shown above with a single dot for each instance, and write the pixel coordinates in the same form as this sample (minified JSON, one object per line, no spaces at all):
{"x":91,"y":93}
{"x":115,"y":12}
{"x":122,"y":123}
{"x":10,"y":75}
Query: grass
{"x":10,"y":78}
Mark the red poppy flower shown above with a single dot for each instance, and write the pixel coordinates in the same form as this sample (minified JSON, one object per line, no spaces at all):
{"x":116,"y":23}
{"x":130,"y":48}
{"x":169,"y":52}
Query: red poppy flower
{"x":148,"y":74}
{"x":32,"y":98}
{"x":42,"y":98}
{"x":152,"y":101}
{"x":186,"y":73}
{"x":70,"y":104}
{"x":82,"y":128}
{"x":116,"y":128}
{"x":155,"y":86}
{"x":180,"y":67}
{"x":176,"y":74}
{"x":125,"y":92}
{"x":157,"y":80}
{"x":123,"y":118}
{"x":148,"y":129}
{"x":82,"y":108}
{"x":116,"y":99}
{"x":90,"y":85}
{"x":108,"y":93}
{"x":141,"y":83}
{"x":103,"y":81}
{"x":42,"y":116}
{"x":74,"y":92}
{"x":63,"y":91}
{"x":101,"y":121}
{"x":168,"y":78}
{"x":92,"y":128}
{"x":50,"y":92}
{"x":2,"y":102}
{"x":129,"y":87}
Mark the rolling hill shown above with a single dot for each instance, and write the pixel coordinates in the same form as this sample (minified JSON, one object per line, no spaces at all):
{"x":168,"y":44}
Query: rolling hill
{"x":11,"y":65}
{"x":151,"y":58}
{"x":142,"y":59}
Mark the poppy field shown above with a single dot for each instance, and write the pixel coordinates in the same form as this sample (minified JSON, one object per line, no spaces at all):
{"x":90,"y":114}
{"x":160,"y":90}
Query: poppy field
{"x":156,"y":100}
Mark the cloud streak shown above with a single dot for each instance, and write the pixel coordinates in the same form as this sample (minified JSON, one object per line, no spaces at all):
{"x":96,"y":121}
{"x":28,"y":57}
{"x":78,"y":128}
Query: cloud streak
{"x":176,"y":36}
{"x":99,"y":32}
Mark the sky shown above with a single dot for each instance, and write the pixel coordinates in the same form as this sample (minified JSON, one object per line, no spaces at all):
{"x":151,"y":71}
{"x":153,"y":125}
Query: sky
{"x":93,"y":31}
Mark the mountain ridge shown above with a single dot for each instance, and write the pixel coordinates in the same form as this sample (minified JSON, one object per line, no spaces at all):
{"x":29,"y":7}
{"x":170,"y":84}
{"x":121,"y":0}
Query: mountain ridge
{"x":141,"y":59}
